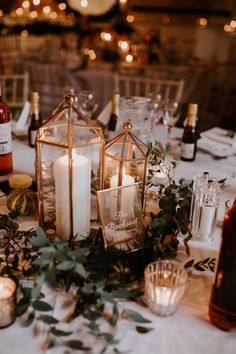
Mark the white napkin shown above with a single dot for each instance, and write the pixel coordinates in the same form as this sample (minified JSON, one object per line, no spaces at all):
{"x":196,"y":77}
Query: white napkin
{"x":219,"y":135}
{"x":105,"y":114}
{"x":216,"y":148}
{"x":21,"y":125}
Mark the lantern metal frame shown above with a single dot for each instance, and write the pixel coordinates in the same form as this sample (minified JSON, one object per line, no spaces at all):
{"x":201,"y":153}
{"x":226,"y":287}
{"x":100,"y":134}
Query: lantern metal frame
{"x":128,"y":144}
{"x":65,"y":109}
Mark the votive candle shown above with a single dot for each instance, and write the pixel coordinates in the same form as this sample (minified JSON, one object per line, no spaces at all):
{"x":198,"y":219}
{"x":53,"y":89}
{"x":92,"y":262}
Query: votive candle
{"x":7,"y":302}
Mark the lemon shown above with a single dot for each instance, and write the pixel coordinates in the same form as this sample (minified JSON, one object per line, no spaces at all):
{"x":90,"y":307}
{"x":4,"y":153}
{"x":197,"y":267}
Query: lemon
{"x":20,"y":180}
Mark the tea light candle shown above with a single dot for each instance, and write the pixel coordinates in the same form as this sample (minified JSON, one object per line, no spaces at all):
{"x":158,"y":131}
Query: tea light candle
{"x":81,"y":178}
{"x":7,"y":301}
{"x":127,"y":195}
{"x":165,"y":283}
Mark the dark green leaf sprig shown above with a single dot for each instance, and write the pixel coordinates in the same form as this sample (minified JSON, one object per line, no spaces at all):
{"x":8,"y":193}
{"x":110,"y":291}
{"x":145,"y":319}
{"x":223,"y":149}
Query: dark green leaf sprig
{"x":206,"y":264}
{"x":172,"y":219}
{"x":98,"y":277}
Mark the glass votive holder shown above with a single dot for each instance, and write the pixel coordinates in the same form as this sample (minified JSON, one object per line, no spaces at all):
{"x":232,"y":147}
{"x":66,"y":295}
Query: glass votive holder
{"x":7,"y":302}
{"x":47,"y":172}
{"x":206,"y":212}
{"x":165,"y":283}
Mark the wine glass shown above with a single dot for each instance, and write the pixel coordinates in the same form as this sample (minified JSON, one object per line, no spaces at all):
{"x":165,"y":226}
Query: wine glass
{"x":171,"y":114}
{"x":87,"y":103}
{"x":155,"y":107}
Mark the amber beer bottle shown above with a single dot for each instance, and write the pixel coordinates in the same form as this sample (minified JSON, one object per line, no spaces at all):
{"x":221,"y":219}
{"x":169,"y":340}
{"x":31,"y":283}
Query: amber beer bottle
{"x":222,"y":308}
{"x":114,"y":111}
{"x":5,"y":138}
{"x":35,"y":118}
{"x":189,"y":139}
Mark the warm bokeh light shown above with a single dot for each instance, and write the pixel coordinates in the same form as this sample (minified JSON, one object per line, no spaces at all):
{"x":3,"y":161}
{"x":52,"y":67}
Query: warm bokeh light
{"x":233,"y":23}
{"x":130,"y":18}
{"x":84,"y":3}
{"x":92,"y":55}
{"x":34,"y":14}
{"x":36,"y":2}
{"x":202,"y":22}
{"x":106,"y":36}
{"x":1,"y":13}
{"x":228,"y":28}
{"x":62,"y":6}
{"x":53,"y":15}
{"x":124,"y":45}
{"x":46,"y":9}
{"x":26,"y":4}
{"x":86,"y":51}
{"x":19,"y":11}
{"x":129,"y":58}
{"x":24,"y":34}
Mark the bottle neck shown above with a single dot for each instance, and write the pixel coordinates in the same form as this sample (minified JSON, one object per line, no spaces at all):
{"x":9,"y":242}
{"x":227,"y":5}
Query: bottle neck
{"x":115,"y":104}
{"x":191,"y":120}
{"x":35,"y":110}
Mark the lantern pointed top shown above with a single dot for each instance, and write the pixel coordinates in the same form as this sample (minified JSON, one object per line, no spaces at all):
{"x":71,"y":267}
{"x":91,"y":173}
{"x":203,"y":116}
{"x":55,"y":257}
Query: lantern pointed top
{"x":127,"y":137}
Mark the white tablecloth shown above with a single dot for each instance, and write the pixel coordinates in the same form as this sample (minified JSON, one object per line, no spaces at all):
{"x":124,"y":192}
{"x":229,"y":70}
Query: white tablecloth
{"x":189,"y":331}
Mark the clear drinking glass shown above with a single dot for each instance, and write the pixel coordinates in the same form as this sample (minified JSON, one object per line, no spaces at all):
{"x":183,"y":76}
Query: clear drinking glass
{"x":171,"y":114}
{"x":206,"y":211}
{"x":156,"y":108}
{"x":135,"y":109}
{"x":165,"y":283}
{"x":87,"y":102}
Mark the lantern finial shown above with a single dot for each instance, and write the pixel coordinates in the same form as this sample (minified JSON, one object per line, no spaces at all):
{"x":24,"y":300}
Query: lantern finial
{"x":127,"y":126}
{"x":70,"y":98}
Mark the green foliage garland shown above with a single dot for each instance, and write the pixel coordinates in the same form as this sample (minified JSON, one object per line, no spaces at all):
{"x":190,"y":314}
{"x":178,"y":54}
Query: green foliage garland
{"x":92,"y":277}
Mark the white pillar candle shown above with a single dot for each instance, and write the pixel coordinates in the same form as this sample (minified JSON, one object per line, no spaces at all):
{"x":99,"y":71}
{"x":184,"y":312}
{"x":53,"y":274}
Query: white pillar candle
{"x":127,"y":196}
{"x":7,"y":302}
{"x":207,"y":218}
{"x":81,"y":187}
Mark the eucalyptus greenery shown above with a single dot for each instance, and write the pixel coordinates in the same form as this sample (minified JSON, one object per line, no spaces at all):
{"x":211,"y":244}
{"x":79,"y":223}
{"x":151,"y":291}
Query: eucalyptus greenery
{"x":95,"y":279}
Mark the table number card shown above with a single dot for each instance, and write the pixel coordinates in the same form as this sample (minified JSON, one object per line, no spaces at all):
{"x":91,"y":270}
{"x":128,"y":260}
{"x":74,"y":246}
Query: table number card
{"x":121,"y":217}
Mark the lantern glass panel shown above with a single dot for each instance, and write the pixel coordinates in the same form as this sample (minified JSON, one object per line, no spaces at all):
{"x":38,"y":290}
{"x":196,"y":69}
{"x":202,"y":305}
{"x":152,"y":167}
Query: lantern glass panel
{"x":125,"y":157}
{"x":69,"y":160}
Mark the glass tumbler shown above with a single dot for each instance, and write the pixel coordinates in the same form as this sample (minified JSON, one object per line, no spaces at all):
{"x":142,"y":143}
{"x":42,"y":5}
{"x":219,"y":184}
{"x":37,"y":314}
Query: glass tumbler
{"x":206,"y":211}
{"x":165,"y":283}
{"x":135,"y":109}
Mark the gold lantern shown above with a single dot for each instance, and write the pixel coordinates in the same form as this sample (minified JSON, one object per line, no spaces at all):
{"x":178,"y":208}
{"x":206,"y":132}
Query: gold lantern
{"x":122,"y":199}
{"x":125,"y":161}
{"x":69,"y":171}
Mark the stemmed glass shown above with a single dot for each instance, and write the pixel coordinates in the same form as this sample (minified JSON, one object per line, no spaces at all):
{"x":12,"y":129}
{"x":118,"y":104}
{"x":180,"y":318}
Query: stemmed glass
{"x":156,"y":108}
{"x":171,"y":114}
{"x":87,"y":103}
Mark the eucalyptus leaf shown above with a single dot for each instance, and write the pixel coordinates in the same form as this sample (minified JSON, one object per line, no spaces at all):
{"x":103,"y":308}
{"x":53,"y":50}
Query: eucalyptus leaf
{"x":135,"y":316}
{"x":143,"y":330}
{"x":41,"y":239}
{"x":65,"y":265}
{"x":76,"y":344}
{"x":30,"y":319}
{"x":107,"y":296}
{"x":41,"y":306}
{"x":79,"y":268}
{"x":48,"y":319}
{"x":38,"y":286}
{"x":59,"y":333}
